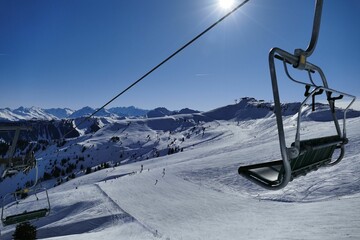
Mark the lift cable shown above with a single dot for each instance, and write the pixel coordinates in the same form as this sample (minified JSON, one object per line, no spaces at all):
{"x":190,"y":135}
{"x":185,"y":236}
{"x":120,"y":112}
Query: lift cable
{"x":161,"y":63}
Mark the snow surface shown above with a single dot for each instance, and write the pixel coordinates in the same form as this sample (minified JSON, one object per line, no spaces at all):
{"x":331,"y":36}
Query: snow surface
{"x":200,"y":195}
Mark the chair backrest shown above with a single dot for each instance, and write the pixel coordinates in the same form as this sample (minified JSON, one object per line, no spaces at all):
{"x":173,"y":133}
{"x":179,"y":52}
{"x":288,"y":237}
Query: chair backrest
{"x":314,"y":153}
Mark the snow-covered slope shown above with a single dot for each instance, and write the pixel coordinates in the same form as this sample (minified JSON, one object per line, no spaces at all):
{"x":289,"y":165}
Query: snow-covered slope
{"x":178,"y":179}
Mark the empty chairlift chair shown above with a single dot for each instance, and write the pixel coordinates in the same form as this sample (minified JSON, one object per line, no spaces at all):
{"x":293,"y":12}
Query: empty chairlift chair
{"x":26,"y":215}
{"x":13,"y":165}
{"x":23,"y":209}
{"x":302,"y":156}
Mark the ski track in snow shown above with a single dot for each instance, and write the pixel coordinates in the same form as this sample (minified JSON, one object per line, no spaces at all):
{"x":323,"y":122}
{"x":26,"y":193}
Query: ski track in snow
{"x":201,"y":196}
{"x":115,"y":204}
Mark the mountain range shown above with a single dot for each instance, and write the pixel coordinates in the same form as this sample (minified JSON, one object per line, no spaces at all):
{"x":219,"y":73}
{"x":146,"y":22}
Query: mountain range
{"x":36,"y":113}
{"x":246,"y":108}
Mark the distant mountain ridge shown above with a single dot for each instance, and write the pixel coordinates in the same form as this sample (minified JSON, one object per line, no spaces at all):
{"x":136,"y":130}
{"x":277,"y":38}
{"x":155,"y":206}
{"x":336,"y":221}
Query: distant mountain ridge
{"x":251,"y":108}
{"x":36,"y":113}
{"x":246,"y":108}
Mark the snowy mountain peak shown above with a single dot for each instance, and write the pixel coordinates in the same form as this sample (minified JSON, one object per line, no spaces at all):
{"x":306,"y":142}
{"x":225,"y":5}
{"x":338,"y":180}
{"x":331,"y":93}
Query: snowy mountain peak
{"x":246,"y":108}
{"x":85,"y":111}
{"x":159,"y":112}
{"x":128,"y":111}
{"x":60,"y":113}
{"x":36,"y":113}
{"x":23,"y":113}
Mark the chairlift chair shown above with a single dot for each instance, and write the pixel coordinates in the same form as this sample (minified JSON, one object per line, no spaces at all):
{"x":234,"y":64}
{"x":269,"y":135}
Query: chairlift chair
{"x":12,"y":166}
{"x":25,"y":215}
{"x":303,"y":156}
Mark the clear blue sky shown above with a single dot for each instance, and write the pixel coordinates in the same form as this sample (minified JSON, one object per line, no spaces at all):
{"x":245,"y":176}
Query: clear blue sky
{"x":66,"y":53}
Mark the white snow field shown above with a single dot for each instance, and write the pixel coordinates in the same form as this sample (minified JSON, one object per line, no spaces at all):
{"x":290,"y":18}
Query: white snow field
{"x":200,"y":195}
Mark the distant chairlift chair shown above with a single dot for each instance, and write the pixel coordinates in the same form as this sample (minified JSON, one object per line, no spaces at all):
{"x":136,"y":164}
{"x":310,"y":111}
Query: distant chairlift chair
{"x":12,"y":165}
{"x":302,"y":156}
{"x":27,"y":215}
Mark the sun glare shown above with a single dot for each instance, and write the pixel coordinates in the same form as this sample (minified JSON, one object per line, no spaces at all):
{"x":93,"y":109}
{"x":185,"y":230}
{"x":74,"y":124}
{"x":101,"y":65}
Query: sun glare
{"x":226,"y":4}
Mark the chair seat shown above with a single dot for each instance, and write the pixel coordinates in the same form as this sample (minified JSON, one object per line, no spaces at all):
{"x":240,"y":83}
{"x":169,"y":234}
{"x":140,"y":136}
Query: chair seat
{"x":314,"y":153}
{"x":26,"y":216}
{"x":266,"y":173}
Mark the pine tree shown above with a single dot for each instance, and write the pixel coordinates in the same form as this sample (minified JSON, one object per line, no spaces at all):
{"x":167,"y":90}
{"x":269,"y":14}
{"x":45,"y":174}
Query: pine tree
{"x":88,"y":170}
{"x":25,"y":231}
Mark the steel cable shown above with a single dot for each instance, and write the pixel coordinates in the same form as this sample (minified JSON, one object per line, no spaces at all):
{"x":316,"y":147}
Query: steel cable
{"x":161,"y":63}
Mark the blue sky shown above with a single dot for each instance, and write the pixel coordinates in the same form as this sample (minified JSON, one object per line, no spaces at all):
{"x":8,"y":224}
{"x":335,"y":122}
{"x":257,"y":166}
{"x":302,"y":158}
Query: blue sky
{"x":76,"y":53}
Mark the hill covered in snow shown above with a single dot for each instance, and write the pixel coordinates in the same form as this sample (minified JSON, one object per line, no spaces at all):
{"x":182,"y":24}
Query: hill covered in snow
{"x":174,"y":176}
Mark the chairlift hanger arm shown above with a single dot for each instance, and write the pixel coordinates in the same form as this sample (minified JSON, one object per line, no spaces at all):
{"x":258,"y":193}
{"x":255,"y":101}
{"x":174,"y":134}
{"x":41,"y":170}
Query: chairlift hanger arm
{"x":17,"y":130}
{"x":315,"y":31}
{"x":13,"y":144}
{"x":301,"y":54}
{"x":14,"y":165}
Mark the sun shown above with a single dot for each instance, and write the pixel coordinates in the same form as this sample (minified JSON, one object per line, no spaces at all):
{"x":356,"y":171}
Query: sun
{"x":226,"y":4}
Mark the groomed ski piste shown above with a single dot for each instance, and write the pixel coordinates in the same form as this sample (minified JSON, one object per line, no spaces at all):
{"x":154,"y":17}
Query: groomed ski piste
{"x":197,"y":192}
